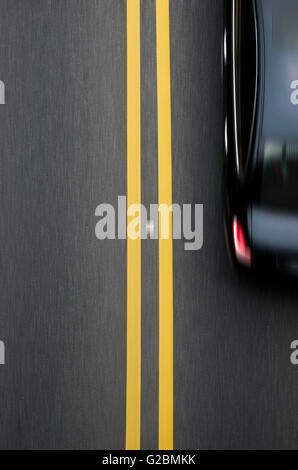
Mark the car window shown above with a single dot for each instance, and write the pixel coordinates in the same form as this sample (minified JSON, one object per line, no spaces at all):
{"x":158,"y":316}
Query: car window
{"x":279,"y":188}
{"x":245,"y":74}
{"x":278,"y":149}
{"x":281,"y":69}
{"x":284,"y":23}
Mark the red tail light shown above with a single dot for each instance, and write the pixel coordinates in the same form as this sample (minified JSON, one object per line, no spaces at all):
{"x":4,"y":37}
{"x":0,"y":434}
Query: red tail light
{"x":242,"y":250}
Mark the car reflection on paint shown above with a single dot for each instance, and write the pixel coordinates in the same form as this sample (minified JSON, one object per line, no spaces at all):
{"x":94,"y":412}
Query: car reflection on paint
{"x":260,"y":54}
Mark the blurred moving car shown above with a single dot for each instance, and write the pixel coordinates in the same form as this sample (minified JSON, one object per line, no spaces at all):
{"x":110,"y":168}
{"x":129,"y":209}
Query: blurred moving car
{"x":260,"y":76}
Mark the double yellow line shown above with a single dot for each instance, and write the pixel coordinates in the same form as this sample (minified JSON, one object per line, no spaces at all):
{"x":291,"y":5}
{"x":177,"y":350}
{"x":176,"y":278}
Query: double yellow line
{"x":133,"y":387}
{"x":133,"y":368}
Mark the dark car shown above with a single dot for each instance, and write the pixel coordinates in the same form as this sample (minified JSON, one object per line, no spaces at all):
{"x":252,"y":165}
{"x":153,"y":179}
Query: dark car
{"x":260,"y":64}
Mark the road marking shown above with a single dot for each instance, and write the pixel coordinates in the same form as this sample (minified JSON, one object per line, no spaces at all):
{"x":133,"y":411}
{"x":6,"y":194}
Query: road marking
{"x":165,"y":246}
{"x":133,"y":379}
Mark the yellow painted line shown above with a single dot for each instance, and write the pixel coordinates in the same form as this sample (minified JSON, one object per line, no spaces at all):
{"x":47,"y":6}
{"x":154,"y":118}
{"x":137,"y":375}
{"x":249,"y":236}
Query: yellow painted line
{"x":133,"y":379}
{"x":165,"y":245}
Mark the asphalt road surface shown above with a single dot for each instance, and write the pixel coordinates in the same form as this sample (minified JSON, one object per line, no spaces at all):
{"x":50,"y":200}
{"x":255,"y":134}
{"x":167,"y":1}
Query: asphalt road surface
{"x":63,"y":292}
